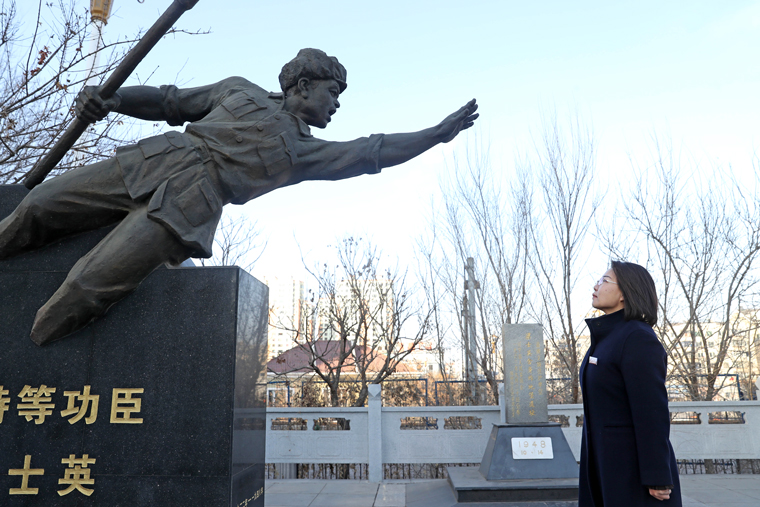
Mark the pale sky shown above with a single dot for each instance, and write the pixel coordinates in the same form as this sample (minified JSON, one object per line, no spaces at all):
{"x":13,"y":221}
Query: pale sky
{"x":686,"y":69}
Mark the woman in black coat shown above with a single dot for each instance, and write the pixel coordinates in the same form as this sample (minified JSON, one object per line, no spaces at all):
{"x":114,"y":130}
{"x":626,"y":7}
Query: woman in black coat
{"x":626,"y":456}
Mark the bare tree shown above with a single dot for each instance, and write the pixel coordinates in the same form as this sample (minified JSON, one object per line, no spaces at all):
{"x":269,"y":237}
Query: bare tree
{"x":43,"y":65}
{"x":560,"y":223}
{"x":355,"y":323}
{"x":702,"y":237}
{"x":477,"y":219}
{"x":237,"y":242}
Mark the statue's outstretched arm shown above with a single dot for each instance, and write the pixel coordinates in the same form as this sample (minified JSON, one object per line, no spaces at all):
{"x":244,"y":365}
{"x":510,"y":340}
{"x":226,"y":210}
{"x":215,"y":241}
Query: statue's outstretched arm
{"x":398,"y":148}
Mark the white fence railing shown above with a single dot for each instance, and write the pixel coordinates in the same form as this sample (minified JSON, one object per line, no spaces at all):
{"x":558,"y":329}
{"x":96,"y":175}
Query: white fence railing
{"x":377,"y":435}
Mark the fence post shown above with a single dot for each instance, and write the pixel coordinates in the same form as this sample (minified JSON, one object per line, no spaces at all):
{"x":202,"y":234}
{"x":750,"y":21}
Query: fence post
{"x":375,"y":433}
{"x":502,"y":405}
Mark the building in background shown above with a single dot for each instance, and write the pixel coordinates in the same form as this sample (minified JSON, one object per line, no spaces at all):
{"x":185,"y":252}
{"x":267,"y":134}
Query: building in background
{"x":287,"y":309}
{"x":375,"y":297}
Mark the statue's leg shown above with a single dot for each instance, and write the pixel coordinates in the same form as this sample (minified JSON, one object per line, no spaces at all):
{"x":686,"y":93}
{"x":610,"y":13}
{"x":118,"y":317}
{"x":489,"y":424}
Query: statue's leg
{"x":82,"y":199}
{"x":110,"y":271}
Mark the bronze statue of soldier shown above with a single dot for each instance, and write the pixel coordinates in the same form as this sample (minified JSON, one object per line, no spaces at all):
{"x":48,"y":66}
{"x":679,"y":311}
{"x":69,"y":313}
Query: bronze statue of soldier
{"x":166,"y":192}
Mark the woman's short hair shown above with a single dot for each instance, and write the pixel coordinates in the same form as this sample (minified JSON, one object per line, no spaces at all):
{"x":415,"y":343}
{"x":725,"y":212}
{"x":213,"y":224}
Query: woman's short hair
{"x":639,"y":292}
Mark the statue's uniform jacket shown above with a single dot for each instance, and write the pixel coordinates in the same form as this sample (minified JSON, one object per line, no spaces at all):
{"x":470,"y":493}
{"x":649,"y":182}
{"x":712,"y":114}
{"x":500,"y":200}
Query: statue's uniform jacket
{"x":243,"y":146}
{"x":625,"y":448}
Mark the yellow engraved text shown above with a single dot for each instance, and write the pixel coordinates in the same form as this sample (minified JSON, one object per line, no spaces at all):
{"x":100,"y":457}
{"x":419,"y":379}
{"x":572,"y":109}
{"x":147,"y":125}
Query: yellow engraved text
{"x":77,"y":475}
{"x":255,"y":496}
{"x":25,"y":473}
{"x":36,"y":403}
{"x":3,"y":402}
{"x":87,"y":400}
{"x":123,"y":405}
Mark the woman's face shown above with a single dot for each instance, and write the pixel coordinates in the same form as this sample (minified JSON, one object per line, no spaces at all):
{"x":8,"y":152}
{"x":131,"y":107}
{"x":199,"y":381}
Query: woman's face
{"x":607,"y":296}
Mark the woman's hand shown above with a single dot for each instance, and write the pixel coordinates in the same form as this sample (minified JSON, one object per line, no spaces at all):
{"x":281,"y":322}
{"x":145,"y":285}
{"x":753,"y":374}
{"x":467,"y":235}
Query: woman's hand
{"x":660,"y":494}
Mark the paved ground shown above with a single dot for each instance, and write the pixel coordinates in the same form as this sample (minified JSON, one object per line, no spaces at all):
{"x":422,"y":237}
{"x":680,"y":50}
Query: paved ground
{"x":699,"y":491}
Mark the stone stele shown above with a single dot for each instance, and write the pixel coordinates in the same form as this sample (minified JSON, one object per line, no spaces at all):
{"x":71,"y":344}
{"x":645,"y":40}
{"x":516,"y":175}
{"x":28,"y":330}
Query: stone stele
{"x":524,"y":374}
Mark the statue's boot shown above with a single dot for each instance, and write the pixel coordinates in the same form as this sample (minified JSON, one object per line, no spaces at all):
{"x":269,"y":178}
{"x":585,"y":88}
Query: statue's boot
{"x":70,"y":309}
{"x":110,"y":271}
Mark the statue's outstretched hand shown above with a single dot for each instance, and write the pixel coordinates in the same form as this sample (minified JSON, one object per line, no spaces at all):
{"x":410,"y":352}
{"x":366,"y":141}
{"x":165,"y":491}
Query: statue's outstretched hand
{"x":460,"y":120}
{"x":91,"y":107}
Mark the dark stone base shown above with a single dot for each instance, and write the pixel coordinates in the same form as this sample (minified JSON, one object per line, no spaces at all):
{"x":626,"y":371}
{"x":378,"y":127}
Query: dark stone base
{"x":500,"y":478}
{"x":194,"y":339}
{"x":498,"y":464}
{"x":470,"y":486}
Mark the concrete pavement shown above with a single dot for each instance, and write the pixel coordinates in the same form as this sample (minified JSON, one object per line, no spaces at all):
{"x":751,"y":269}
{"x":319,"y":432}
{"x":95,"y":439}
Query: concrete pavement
{"x":698,"y":491}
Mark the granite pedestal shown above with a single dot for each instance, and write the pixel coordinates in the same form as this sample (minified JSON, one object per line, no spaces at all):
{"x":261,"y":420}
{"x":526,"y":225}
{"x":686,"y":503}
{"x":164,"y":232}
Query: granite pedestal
{"x":178,"y":368}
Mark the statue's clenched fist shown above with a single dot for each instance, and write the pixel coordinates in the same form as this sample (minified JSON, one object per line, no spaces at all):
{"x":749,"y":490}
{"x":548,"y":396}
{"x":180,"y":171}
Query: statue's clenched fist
{"x":91,"y":107}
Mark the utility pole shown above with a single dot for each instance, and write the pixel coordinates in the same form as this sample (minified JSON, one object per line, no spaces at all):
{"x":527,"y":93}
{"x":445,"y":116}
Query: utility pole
{"x":470,"y":328}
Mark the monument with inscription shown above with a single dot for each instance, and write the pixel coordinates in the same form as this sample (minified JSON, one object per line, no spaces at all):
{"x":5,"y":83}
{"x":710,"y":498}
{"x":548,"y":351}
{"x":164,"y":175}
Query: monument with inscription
{"x":527,"y":458}
{"x":161,"y":403}
{"x":158,"y":402}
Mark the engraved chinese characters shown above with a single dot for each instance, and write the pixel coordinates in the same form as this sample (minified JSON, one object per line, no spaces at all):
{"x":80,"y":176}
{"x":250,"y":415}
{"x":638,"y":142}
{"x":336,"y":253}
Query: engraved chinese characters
{"x":76,"y":476}
{"x":524,"y":374}
{"x":86,"y":400}
{"x":36,"y":404}
{"x":4,"y":402}
{"x":25,"y":473}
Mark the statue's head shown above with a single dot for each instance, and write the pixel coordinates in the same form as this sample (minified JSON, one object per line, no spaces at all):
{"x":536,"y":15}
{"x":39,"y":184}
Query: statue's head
{"x":312,"y":64}
{"x":312,"y":82}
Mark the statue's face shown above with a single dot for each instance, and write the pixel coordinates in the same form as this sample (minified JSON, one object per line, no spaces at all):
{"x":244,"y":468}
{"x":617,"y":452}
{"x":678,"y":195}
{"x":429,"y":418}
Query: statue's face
{"x":319,"y":103}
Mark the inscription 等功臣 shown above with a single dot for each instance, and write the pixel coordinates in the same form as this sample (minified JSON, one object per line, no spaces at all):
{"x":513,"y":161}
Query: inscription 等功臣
{"x":37,"y":404}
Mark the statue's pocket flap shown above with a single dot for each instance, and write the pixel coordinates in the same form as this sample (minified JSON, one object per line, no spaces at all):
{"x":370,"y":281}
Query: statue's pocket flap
{"x":242,"y":105}
{"x":199,"y":203}
{"x":277,"y":154}
{"x":164,"y":143}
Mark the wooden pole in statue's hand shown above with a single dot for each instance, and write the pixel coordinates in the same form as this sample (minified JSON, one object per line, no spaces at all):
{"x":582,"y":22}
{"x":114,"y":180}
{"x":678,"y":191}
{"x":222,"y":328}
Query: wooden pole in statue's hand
{"x":113,"y":83}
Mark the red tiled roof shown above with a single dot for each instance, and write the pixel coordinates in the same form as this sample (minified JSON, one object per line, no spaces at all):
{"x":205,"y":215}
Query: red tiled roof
{"x":296,"y":360}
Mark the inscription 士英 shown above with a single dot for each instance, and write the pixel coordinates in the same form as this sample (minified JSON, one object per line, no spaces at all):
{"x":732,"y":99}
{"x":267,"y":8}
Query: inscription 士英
{"x":76,"y":476}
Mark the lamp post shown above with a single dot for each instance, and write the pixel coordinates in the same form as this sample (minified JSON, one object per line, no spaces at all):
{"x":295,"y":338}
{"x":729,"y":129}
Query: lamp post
{"x":100,"y":10}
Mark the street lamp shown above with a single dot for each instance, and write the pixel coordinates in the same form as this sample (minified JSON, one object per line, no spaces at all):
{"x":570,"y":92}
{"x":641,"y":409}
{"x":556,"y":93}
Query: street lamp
{"x":100,"y":10}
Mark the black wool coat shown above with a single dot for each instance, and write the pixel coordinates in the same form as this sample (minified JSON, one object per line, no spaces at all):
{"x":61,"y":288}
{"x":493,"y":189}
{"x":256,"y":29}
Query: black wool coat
{"x":625,"y":447}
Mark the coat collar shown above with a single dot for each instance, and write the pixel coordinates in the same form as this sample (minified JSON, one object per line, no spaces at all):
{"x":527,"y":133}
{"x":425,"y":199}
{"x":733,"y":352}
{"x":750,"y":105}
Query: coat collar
{"x":600,"y":327}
